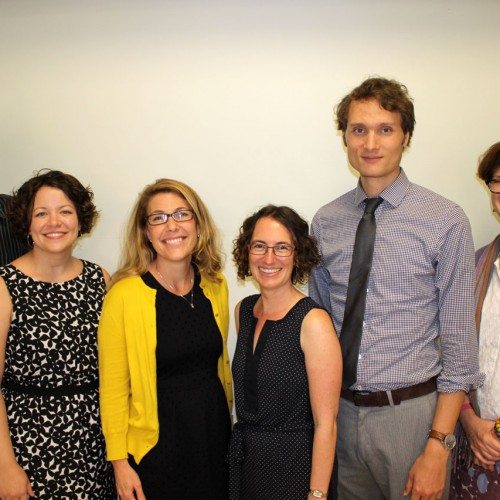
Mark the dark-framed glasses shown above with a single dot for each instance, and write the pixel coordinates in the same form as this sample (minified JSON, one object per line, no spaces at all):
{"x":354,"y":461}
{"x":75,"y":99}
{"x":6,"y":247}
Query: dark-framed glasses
{"x":280,"y":250}
{"x":494,"y":186}
{"x":162,"y":217}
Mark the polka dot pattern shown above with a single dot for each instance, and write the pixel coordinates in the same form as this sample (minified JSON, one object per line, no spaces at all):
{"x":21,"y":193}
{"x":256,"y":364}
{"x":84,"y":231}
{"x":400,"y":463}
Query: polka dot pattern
{"x":190,"y":457}
{"x":271,"y":446}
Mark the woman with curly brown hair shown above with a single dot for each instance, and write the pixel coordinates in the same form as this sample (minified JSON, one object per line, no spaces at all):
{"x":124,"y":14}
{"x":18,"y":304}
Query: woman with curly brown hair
{"x":50,"y":301}
{"x":165,"y":379}
{"x":287,"y":367}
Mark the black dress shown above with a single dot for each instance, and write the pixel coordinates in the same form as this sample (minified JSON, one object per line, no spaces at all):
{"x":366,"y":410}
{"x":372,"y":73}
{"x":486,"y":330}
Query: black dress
{"x":189,"y":460}
{"x":50,"y":384}
{"x":271,"y":446}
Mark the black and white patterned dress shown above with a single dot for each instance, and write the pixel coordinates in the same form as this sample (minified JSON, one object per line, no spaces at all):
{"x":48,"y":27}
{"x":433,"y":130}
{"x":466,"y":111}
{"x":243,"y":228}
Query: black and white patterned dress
{"x":50,"y":384}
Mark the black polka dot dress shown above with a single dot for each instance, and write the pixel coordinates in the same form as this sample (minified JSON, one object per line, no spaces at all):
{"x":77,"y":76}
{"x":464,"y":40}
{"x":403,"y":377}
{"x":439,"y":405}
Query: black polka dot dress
{"x":189,"y":460}
{"x":50,"y":384}
{"x":271,"y":446}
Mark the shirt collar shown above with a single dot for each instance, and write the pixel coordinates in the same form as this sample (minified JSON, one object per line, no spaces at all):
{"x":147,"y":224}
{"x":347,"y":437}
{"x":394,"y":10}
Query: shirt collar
{"x":393,"y":194}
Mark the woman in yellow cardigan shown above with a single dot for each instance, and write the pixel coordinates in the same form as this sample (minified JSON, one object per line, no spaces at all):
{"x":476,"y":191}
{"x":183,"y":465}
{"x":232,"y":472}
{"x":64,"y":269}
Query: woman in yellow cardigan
{"x":165,"y":382}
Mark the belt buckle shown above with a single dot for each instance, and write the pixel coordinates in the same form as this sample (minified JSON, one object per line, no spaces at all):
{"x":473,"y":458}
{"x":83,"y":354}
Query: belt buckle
{"x":358,"y":395}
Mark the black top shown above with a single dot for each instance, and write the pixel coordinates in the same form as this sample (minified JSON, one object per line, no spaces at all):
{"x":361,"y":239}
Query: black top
{"x":271,"y":447}
{"x":185,"y":333}
{"x":192,"y":408}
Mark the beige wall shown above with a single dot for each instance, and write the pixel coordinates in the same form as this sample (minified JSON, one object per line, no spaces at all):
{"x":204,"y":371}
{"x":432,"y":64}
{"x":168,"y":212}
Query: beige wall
{"x":236,"y":97}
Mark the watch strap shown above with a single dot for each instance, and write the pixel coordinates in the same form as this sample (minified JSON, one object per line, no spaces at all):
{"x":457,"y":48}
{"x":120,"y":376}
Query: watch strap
{"x":437,"y":435}
{"x":447,"y":440}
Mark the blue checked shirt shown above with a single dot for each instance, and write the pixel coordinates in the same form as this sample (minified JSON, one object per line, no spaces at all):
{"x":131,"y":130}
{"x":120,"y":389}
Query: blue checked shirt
{"x":419,"y":319}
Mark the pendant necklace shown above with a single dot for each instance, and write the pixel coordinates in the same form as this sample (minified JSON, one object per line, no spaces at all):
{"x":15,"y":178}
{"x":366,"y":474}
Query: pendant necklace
{"x":190,"y":301}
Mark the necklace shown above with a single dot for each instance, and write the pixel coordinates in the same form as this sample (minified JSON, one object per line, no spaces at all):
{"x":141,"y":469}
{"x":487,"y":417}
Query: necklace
{"x":172,"y":287}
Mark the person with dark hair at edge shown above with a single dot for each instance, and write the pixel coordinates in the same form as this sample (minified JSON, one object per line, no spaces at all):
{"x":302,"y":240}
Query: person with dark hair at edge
{"x":11,"y":246}
{"x":397,"y":276}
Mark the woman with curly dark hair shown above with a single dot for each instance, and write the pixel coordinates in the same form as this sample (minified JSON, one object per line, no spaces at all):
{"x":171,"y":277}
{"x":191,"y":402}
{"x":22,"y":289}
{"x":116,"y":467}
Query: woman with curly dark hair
{"x":50,"y":302}
{"x":287,"y":367}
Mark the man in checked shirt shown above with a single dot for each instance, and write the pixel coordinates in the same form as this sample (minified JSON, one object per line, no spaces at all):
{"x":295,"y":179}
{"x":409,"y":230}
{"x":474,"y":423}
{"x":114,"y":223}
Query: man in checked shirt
{"x":418,"y":350}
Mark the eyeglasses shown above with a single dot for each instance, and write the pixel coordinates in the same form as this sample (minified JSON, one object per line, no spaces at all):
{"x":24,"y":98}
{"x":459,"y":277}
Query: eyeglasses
{"x":280,"y":250}
{"x":494,"y":186}
{"x":162,"y":217}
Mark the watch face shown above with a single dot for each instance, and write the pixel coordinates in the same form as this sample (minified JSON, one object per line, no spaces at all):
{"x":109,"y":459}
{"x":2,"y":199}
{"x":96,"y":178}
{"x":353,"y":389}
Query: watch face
{"x":450,"y":441}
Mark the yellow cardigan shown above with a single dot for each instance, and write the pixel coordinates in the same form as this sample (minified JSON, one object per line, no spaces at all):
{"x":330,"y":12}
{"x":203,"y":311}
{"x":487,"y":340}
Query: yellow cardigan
{"x":127,"y":364}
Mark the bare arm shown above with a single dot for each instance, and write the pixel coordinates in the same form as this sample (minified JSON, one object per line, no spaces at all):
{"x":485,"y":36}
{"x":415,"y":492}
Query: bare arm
{"x":14,"y":483}
{"x":324,"y":373}
{"x":427,"y":477}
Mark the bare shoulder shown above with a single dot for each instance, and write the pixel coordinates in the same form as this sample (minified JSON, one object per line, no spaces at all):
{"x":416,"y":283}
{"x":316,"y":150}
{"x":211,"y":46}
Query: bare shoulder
{"x":317,"y":320}
{"x":24,"y":262}
{"x":317,"y":332}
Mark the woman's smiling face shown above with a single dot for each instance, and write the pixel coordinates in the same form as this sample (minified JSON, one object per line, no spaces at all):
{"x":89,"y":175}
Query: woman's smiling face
{"x":269,"y":270}
{"x":172,"y":241}
{"x":54,"y":221}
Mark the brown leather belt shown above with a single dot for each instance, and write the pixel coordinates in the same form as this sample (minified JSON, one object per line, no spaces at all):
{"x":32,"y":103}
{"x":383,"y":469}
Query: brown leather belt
{"x":381,"y":398}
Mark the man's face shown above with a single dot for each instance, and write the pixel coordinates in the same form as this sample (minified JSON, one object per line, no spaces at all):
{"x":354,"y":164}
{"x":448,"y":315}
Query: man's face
{"x":375,"y":143}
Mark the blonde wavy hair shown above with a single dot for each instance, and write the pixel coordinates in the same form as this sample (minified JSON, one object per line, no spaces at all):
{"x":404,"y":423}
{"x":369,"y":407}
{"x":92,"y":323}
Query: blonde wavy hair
{"x":138,"y":253}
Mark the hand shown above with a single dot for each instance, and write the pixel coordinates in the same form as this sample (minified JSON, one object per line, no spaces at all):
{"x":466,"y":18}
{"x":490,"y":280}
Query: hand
{"x":427,"y":477}
{"x":483,"y":442}
{"x":14,"y":483}
{"x":127,"y":481}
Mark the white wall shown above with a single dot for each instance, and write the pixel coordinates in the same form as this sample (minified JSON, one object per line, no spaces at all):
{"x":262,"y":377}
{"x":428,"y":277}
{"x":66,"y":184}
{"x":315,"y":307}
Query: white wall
{"x":236,"y":99}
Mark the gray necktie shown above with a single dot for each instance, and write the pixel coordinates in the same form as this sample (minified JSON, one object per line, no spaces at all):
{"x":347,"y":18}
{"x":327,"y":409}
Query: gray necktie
{"x":352,"y":326}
